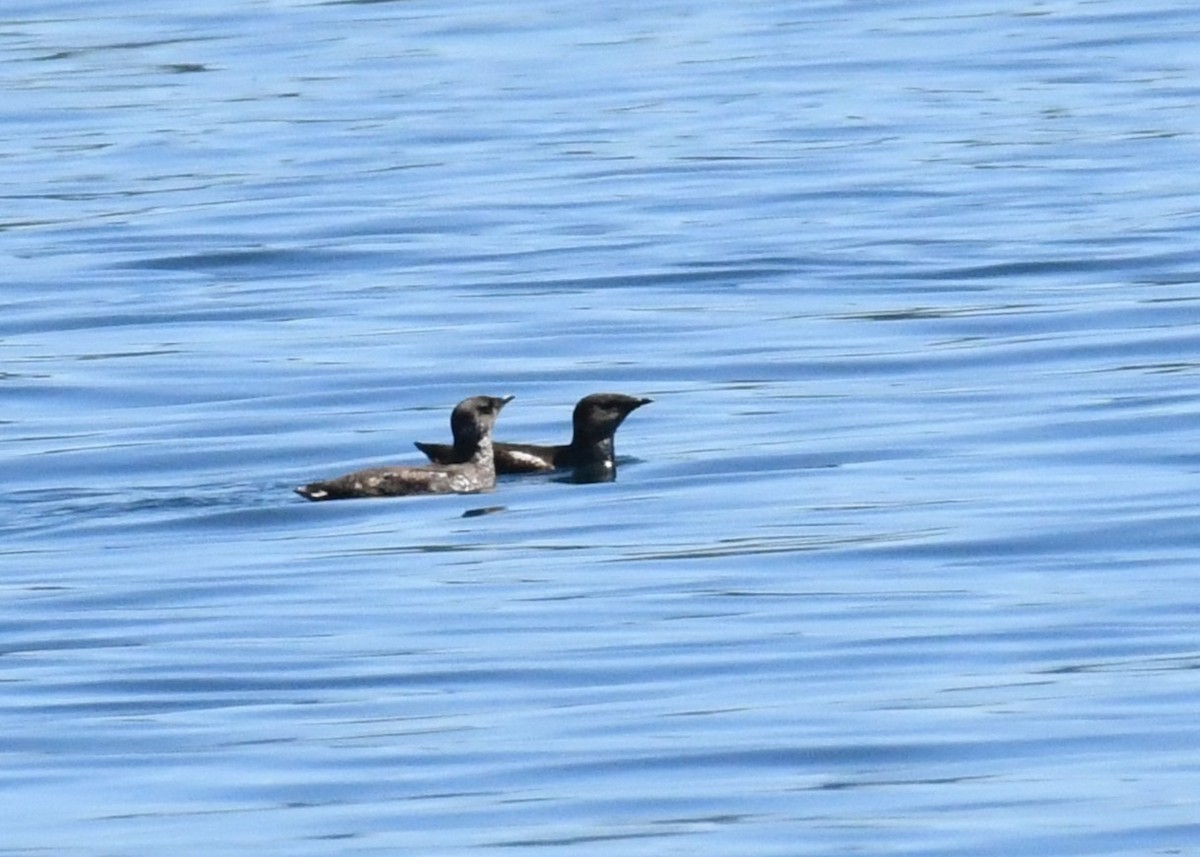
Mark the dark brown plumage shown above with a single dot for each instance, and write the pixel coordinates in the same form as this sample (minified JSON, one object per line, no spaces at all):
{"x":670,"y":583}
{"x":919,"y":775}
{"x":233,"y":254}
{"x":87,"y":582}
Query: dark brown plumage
{"x":474,"y":470}
{"x":589,"y":454}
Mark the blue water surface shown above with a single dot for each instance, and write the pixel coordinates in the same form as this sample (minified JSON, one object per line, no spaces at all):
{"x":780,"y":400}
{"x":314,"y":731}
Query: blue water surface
{"x":901,"y":560}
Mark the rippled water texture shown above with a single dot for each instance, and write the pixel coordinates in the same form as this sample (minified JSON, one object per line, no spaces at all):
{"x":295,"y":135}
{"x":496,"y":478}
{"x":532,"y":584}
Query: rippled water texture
{"x":901,"y":560}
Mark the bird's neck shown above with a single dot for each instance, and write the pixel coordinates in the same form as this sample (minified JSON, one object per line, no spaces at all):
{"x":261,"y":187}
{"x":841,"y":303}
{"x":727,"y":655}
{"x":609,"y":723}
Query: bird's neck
{"x":478,"y":453}
{"x":591,"y":448}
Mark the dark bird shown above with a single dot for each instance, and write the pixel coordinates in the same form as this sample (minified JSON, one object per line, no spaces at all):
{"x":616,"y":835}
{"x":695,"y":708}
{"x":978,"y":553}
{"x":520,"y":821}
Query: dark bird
{"x":473,"y":469}
{"x":590,"y":452}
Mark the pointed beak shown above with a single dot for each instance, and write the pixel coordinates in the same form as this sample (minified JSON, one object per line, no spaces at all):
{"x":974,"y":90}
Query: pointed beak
{"x":504,"y":400}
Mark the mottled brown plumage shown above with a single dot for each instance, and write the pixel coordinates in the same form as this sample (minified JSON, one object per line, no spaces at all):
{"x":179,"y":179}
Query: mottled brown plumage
{"x":474,"y":470}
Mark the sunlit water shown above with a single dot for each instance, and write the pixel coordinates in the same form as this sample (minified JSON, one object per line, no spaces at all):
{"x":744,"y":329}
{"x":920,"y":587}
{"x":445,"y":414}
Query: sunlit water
{"x":901,"y":560}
